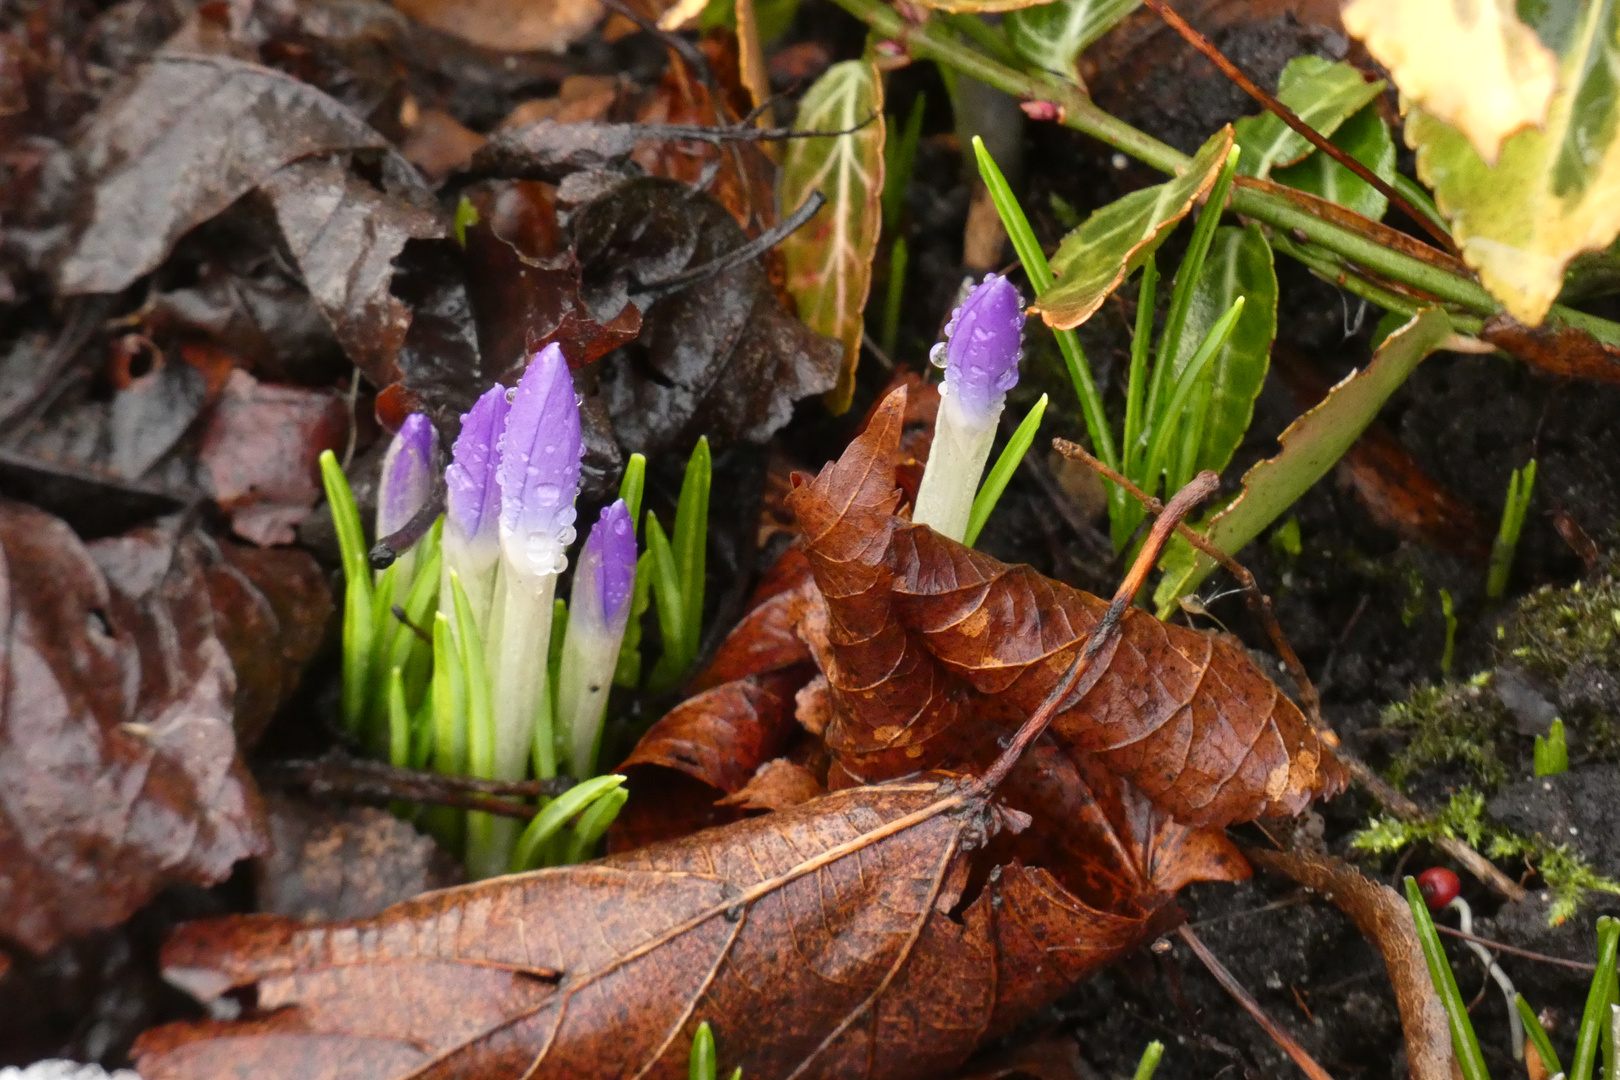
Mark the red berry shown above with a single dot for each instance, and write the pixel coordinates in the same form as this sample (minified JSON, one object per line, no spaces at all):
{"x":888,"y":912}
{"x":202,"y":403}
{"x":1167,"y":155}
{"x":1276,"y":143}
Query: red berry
{"x":1439,"y":887}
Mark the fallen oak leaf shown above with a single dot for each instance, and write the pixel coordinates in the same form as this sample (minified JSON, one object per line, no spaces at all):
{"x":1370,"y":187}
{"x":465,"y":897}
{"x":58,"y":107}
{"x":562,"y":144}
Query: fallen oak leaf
{"x":929,"y":644}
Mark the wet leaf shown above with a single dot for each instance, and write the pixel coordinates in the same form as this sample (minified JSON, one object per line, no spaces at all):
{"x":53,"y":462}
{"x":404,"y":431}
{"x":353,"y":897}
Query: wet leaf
{"x":1365,"y":137}
{"x":188,"y":137}
{"x":833,"y":939}
{"x":1553,"y":192}
{"x":1114,"y":241}
{"x":1054,"y":35}
{"x":1475,"y":67}
{"x":1555,"y":347}
{"x":829,"y":260}
{"x":117,"y":761}
{"x":1310,"y":447}
{"x":513,"y":26}
{"x":1322,"y":93}
{"x":933,"y":650}
{"x":1239,"y":263}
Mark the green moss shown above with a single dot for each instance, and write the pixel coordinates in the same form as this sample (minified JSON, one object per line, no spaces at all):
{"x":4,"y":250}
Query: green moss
{"x":1565,"y":873}
{"x":1555,"y":631}
{"x":1452,"y":723}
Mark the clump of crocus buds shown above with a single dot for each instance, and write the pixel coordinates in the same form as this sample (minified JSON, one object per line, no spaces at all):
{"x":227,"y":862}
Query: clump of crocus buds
{"x":980,"y":354}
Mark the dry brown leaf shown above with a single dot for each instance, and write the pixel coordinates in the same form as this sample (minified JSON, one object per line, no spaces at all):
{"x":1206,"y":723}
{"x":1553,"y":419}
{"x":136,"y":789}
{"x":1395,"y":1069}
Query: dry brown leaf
{"x":508,"y":25}
{"x":776,"y":785}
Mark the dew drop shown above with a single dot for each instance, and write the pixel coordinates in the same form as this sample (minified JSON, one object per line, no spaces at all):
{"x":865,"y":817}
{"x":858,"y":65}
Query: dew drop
{"x":980,"y":333}
{"x":566,"y":535}
{"x":936,"y":355}
{"x":560,"y":565}
{"x":546,"y":494}
{"x":511,"y":394}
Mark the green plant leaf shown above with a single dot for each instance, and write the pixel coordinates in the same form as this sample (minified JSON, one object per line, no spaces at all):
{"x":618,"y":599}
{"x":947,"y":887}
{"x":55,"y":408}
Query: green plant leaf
{"x":1322,"y":93}
{"x":829,"y":260}
{"x":1054,"y":35}
{"x":1364,"y":137}
{"x":1239,"y":263}
{"x":1538,"y":1036}
{"x":984,"y":503}
{"x":690,"y":542}
{"x":1554,"y":191}
{"x":554,"y":815}
{"x":1096,"y":258}
{"x":1598,"y":998}
{"x":1470,"y":1061}
{"x":1310,"y":447}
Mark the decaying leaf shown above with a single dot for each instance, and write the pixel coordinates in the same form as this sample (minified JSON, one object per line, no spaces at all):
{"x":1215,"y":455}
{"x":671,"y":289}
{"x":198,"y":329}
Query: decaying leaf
{"x":832,"y":939}
{"x":1113,"y":242}
{"x":1553,"y":191}
{"x":118,"y":770}
{"x":1322,"y":93}
{"x":1310,"y":447}
{"x":829,"y":260}
{"x":933,"y":651}
{"x":509,"y":25}
{"x":1472,"y":65}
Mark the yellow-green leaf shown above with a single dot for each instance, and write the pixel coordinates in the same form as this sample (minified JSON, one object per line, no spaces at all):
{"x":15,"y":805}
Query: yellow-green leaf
{"x":1108,"y":246}
{"x":829,"y":260}
{"x":1552,"y":193}
{"x":1054,"y":35}
{"x":1321,"y":93}
{"x":1470,"y":63}
{"x":1310,"y":447}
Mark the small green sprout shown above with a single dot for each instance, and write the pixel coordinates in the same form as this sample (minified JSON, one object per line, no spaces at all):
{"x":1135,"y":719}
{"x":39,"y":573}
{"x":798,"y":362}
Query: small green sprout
{"x":1520,"y":487}
{"x":1150,"y":1060}
{"x":1552,"y":751}
{"x":703,"y":1064}
{"x":1449,"y":611}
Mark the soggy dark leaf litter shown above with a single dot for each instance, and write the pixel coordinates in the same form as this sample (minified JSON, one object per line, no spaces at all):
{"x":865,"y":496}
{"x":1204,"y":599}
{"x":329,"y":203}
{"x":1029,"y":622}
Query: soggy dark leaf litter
{"x":168,"y":375}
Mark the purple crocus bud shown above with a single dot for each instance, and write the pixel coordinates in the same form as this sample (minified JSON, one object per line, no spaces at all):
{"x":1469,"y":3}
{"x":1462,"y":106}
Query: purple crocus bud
{"x":981,"y":349}
{"x":407,"y":474}
{"x":608,"y":562}
{"x":472,"y":490}
{"x":539,"y":467}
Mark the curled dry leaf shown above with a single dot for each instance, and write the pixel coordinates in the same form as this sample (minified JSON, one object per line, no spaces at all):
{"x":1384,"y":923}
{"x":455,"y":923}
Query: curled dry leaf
{"x":833,"y":939}
{"x":118,"y":769}
{"x":514,"y":26}
{"x":933,"y":649}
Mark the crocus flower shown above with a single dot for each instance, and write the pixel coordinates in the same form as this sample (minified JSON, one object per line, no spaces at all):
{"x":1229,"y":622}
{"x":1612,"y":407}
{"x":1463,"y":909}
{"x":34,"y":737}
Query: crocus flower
{"x":538,"y":475}
{"x":473,"y":505}
{"x":980,"y":355}
{"x":598,"y":611}
{"x":404,"y":487}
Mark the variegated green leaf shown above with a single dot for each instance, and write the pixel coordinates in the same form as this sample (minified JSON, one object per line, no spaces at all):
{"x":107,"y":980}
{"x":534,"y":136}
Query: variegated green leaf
{"x":1365,"y":137}
{"x":829,"y":260}
{"x":1107,"y":248}
{"x":1054,"y":35}
{"x":1322,"y":93}
{"x":1238,"y":264}
{"x":1310,"y":447}
{"x":1553,"y":192}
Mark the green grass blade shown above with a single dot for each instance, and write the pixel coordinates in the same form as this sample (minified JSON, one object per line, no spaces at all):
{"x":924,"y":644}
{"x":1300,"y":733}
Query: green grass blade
{"x":1165,"y":428}
{"x":554,"y":815}
{"x":702,"y":1065}
{"x":894,"y":295}
{"x":628,"y":672}
{"x":399,"y":721}
{"x":357,"y":592}
{"x":593,"y":823}
{"x":632,"y":486}
{"x":900,"y":159}
{"x":690,"y":542}
{"x":1150,"y":1060}
{"x":1039,"y":272}
{"x":1463,"y":1040}
{"x":1521,"y":485}
{"x":1538,"y":1036}
{"x":666,"y":591}
{"x":480,"y":716}
{"x":996,"y":483}
{"x":1597,"y":1001}
{"x":1134,"y":445}
{"x":449,"y":695}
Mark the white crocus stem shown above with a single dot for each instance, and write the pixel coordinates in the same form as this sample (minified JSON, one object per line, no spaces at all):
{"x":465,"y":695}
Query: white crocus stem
{"x":478,"y":572}
{"x":955,"y":466}
{"x":590,"y":655}
{"x":520,"y":643}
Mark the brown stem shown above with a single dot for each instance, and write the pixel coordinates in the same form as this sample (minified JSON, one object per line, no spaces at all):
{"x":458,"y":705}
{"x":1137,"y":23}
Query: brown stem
{"x":1260,"y":604}
{"x":1514,"y":950}
{"x":1291,"y":118}
{"x":1290,"y":1046}
{"x":341,"y":777}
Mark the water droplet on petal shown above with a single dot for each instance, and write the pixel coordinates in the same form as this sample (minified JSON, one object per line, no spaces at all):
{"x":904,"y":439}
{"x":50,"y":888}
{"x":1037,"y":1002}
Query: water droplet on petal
{"x":511,"y":394}
{"x":936,"y":355}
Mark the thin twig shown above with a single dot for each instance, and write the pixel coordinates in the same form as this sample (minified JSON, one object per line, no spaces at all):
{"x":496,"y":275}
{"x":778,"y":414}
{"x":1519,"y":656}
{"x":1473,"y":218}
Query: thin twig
{"x":1289,"y":1045}
{"x":349,"y":779}
{"x":1260,"y":604}
{"x":1515,"y":950}
{"x":1292,"y":119}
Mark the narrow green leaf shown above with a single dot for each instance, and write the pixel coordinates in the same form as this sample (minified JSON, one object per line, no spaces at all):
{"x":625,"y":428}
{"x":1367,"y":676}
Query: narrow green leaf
{"x":545,"y":721}
{"x":1324,"y":94}
{"x":1096,"y":258}
{"x":894,"y":295}
{"x":449,"y":695}
{"x":554,"y":815}
{"x":631,"y":487}
{"x":592,"y":824}
{"x":399,"y":721}
{"x":1595,"y":1015}
{"x":996,"y":483}
{"x":1053,"y":36}
{"x":1239,"y":264}
{"x":899,"y":160}
{"x":1521,"y":485}
{"x":1165,"y":429}
{"x":702,"y":1065}
{"x":829,"y":261}
{"x":1365,"y":137}
{"x":691,"y":541}
{"x":1310,"y":447}
{"x":1463,"y":1040}
{"x":666,"y":588}
{"x":1150,"y":1060}
{"x":628,"y":672}
{"x":480,"y":722}
{"x":1538,"y":1036}
{"x":357,"y":592}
